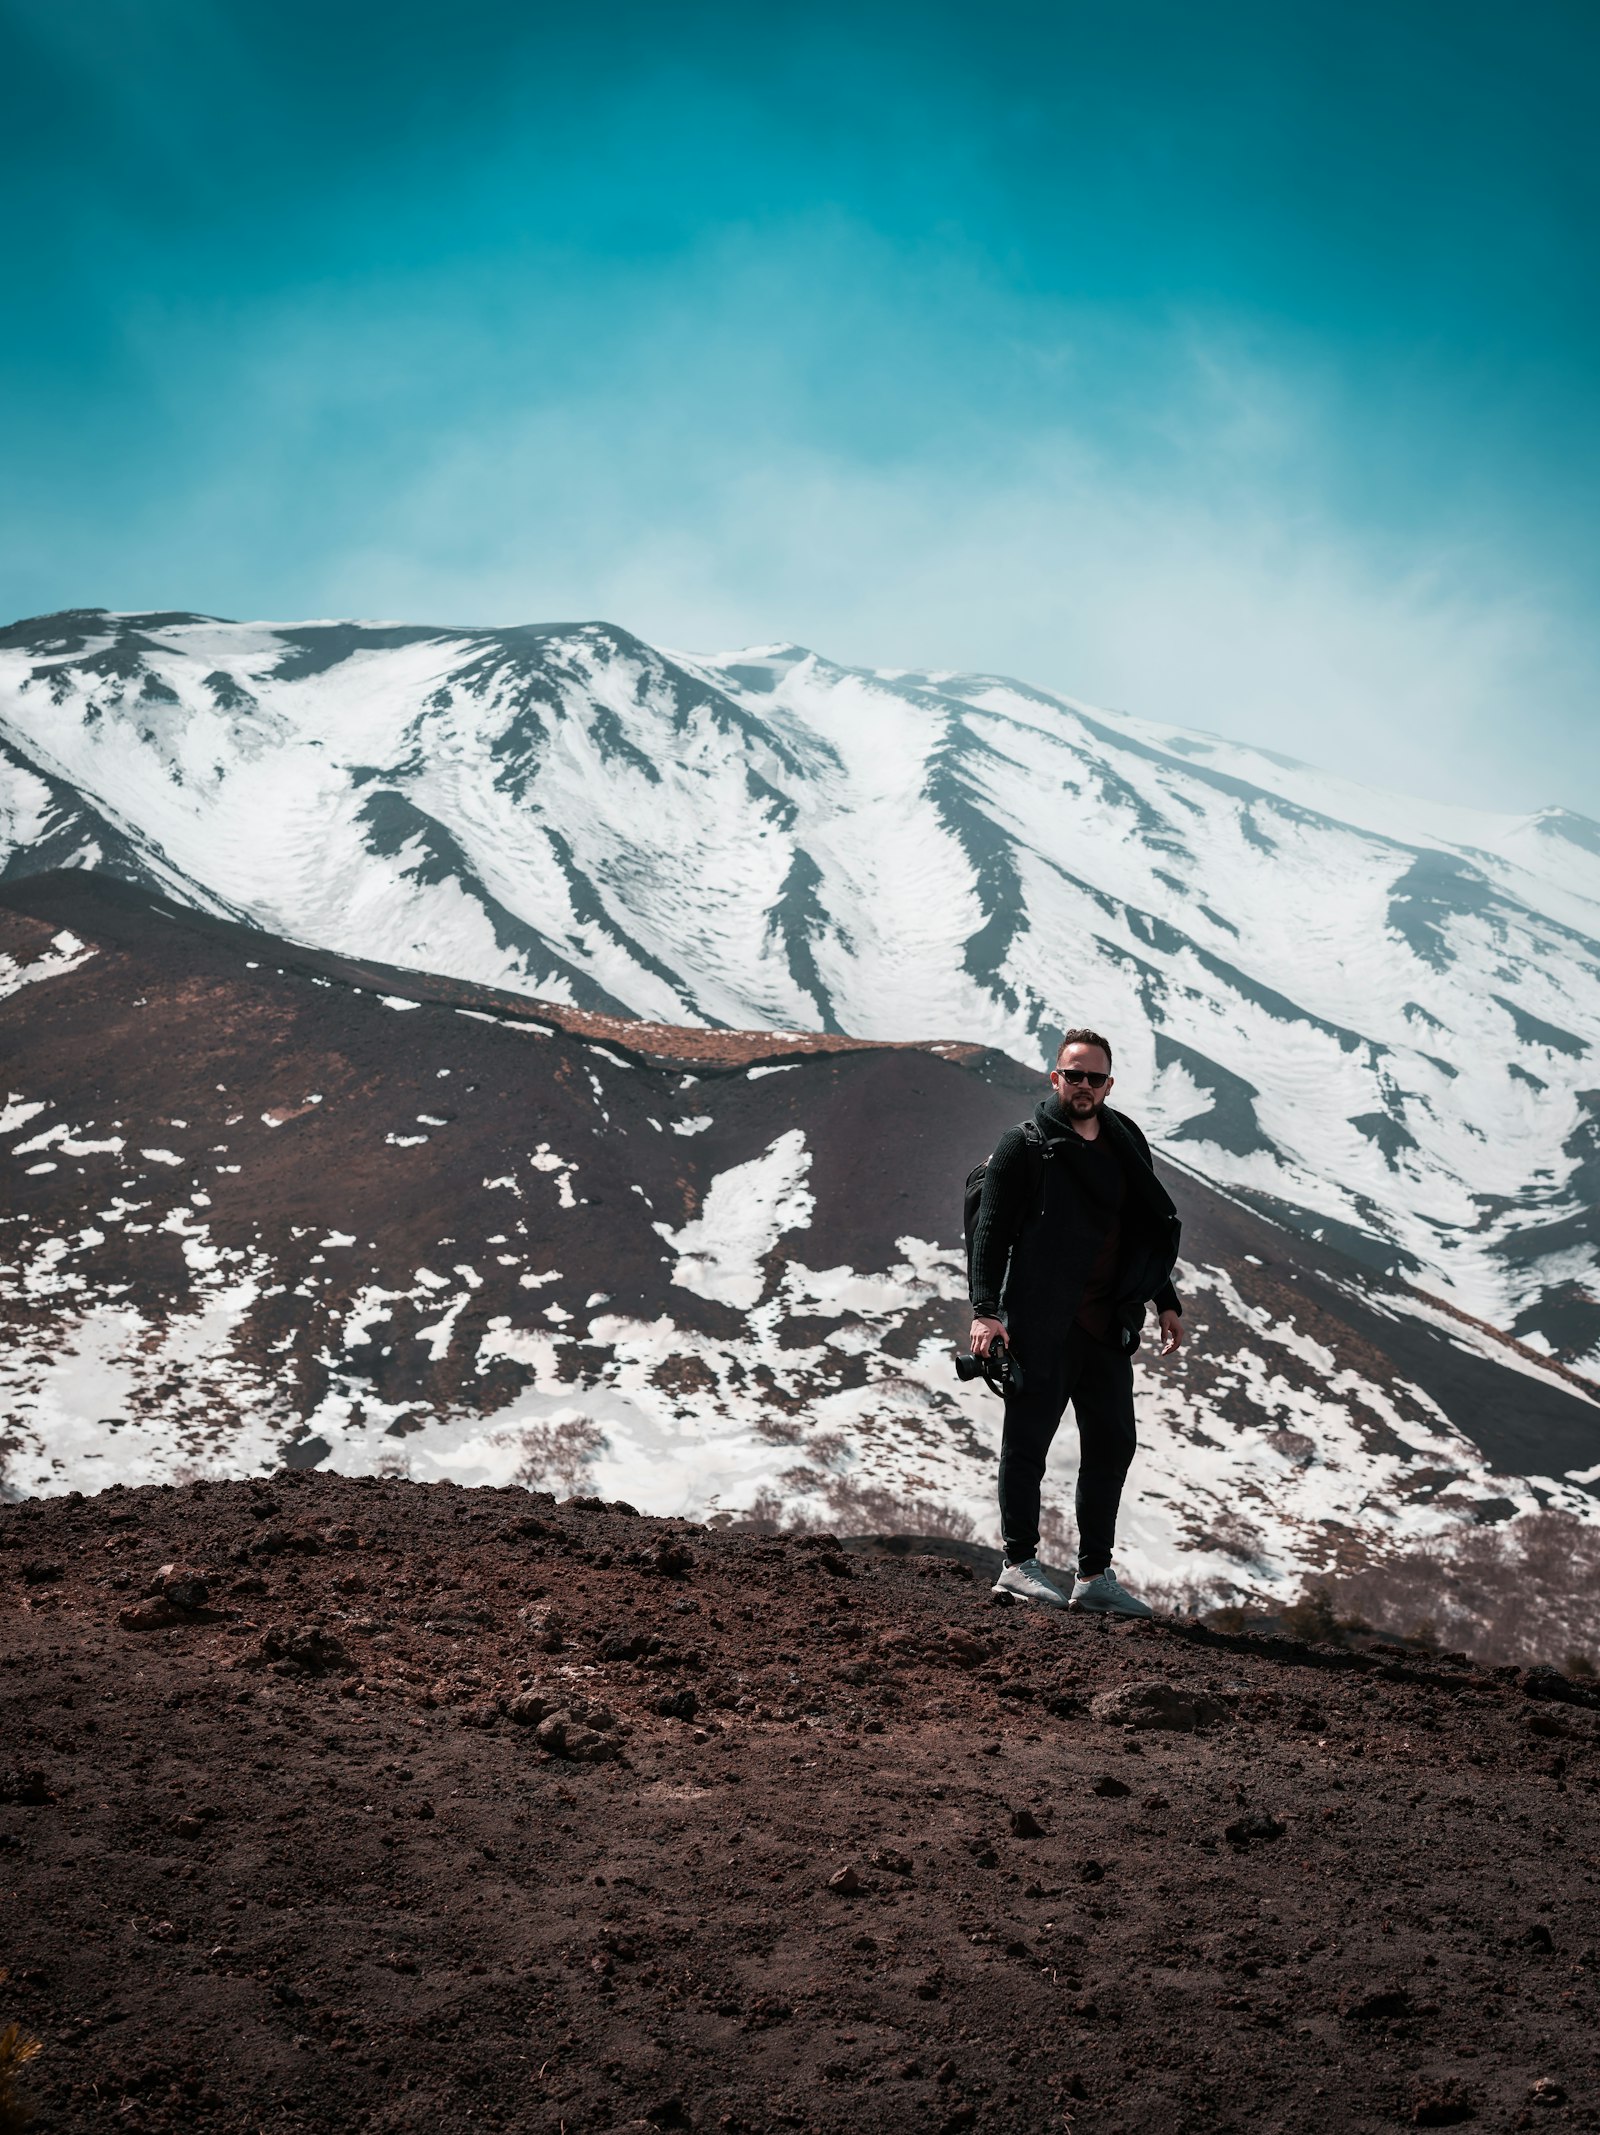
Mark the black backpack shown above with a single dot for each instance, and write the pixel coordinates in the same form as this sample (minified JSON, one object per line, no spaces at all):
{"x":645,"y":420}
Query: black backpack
{"x":1039,"y":1154}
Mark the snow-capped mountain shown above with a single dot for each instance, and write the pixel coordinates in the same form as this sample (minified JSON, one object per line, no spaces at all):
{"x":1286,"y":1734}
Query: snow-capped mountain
{"x":1373,"y":1016}
{"x":266,"y":1206}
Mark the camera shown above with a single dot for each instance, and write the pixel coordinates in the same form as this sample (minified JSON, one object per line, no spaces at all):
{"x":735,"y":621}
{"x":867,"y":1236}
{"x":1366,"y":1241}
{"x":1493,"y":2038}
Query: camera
{"x":999,"y":1370}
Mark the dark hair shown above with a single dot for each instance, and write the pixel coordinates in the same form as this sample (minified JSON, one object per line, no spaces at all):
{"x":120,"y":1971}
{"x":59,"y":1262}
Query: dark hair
{"x":1082,"y":1037}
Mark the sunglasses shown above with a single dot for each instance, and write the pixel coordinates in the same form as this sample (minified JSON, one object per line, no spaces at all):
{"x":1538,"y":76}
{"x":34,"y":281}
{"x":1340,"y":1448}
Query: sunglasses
{"x":1088,"y":1075}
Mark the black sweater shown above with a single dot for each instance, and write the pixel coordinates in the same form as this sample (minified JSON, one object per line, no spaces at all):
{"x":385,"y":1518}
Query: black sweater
{"x":1034,"y":1261}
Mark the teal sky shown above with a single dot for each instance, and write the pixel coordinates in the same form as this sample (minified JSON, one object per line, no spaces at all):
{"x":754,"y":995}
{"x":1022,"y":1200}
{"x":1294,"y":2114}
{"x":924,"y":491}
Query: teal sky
{"x":1235,"y":365}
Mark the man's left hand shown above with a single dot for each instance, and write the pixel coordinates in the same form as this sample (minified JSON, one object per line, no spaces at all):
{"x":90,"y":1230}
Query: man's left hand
{"x":1171,"y":1332}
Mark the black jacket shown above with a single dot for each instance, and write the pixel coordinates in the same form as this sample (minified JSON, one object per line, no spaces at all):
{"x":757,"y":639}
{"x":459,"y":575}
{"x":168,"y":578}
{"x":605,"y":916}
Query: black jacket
{"x":1038,"y":1232}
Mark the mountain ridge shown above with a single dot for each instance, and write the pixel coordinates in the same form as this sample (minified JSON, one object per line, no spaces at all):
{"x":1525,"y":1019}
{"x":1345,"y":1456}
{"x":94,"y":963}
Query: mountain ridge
{"x":1392,"y":1034}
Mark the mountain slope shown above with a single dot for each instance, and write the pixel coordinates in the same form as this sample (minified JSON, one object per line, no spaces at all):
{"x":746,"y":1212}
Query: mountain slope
{"x":265,"y":1206}
{"x":1378,"y":1015}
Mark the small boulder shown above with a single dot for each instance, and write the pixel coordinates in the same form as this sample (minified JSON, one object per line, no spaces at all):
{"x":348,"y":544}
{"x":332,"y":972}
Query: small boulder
{"x":300,"y":1649}
{"x":183,"y":1588}
{"x":624,"y":1645}
{"x":1441,"y":2105}
{"x":1112,"y":1789}
{"x":546,"y":1628}
{"x":562,"y":1734}
{"x":1246,"y":1830}
{"x":26,"y":1785}
{"x":965,"y":1650}
{"x":1024,"y":1824}
{"x":1146,"y":1705}
{"x":1378,"y":2008}
{"x":845,"y":1881}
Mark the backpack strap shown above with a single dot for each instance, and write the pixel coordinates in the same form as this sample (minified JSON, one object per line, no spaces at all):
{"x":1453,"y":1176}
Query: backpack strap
{"x":1037,"y":1143}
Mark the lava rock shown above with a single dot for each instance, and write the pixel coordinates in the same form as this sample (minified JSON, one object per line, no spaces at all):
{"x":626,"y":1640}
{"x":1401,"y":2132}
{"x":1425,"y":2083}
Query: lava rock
{"x":24,"y":1784}
{"x":40,"y":1571}
{"x":563,"y":1734}
{"x":1159,"y":1705}
{"x":1112,"y":1789}
{"x":1248,"y":1830}
{"x":1024,"y":1824}
{"x":1441,"y":2105}
{"x":301,"y":1649}
{"x":965,"y":1650}
{"x":845,"y":1881}
{"x":624,"y":1645}
{"x":547,"y":1629}
{"x":183,"y":1588}
{"x":1387,"y":2003}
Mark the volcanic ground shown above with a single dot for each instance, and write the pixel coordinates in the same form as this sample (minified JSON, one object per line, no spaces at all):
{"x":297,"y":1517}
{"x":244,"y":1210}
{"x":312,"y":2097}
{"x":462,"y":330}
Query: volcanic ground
{"x":337,"y":1803}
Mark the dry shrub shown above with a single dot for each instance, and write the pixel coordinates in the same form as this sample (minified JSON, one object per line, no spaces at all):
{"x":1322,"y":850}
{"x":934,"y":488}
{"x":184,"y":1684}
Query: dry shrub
{"x":866,"y":1508}
{"x":765,"y":1516}
{"x":1176,"y":1597}
{"x":1058,"y":1534}
{"x":555,"y":1456}
{"x":779,"y":1430}
{"x":1232,"y":1535}
{"x":1314,"y":1618}
{"x":16,"y":2051}
{"x":1521,"y":1591}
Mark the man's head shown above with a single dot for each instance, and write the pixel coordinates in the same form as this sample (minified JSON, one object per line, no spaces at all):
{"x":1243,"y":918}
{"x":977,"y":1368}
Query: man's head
{"x":1081,"y":1077}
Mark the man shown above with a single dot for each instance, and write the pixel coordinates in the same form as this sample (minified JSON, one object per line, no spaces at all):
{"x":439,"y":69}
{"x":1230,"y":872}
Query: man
{"x":1073,"y":1236}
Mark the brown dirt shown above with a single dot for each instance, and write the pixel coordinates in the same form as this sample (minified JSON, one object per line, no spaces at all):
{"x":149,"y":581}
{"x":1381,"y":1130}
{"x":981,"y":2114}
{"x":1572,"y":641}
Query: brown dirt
{"x":292,"y":1862}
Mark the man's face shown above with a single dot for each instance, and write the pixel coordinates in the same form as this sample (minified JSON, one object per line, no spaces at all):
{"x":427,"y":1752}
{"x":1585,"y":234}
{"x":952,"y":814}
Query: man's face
{"x":1077,"y":1098}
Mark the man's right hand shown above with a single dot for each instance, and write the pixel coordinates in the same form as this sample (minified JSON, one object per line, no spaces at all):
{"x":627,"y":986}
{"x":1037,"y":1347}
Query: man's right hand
{"x":984,"y":1334}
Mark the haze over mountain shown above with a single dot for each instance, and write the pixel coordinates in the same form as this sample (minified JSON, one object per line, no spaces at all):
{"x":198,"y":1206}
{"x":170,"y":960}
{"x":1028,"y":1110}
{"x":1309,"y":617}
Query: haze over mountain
{"x":1372,"y":1016}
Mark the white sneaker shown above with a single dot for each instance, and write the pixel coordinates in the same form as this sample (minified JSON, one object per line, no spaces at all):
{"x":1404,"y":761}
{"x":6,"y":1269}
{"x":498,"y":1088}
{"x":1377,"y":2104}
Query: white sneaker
{"x":1104,"y":1593}
{"x":1028,"y":1581}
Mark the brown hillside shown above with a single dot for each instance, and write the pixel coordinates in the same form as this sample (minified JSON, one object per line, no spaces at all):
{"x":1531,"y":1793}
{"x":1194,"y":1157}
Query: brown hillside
{"x":334,"y":1804}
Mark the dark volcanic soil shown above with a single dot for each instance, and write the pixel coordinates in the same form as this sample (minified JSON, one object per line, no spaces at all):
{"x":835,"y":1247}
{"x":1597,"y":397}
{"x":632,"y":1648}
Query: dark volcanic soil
{"x":780,"y":1837}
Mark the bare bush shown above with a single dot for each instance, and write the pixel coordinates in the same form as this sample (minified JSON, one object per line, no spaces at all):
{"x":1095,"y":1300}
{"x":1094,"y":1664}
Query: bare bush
{"x":1058,"y":1534}
{"x":1176,"y":1597}
{"x":764,"y":1516}
{"x":1523,"y":1591}
{"x":870,"y":1508}
{"x":555,"y":1456}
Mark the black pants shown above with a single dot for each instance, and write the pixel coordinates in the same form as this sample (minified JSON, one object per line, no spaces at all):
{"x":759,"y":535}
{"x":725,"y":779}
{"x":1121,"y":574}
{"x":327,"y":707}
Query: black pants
{"x":1098,"y":1381}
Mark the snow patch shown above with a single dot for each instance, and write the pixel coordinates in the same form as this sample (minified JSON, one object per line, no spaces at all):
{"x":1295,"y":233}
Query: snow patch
{"x":746,"y":1210}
